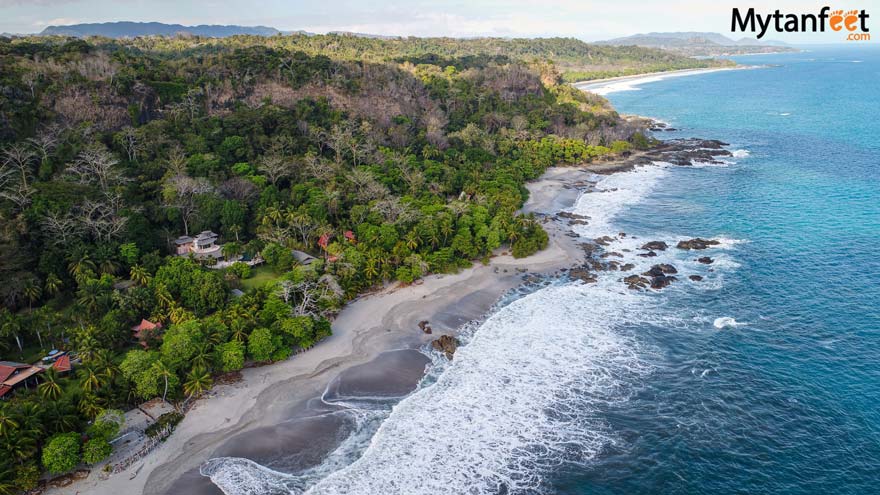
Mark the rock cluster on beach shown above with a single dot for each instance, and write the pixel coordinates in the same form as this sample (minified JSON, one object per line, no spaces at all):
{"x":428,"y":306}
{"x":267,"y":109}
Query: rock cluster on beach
{"x":446,"y":344}
{"x":425,"y":327}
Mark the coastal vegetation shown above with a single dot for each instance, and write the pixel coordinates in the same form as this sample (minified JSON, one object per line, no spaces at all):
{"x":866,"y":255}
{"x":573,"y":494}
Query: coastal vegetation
{"x":328,"y":166}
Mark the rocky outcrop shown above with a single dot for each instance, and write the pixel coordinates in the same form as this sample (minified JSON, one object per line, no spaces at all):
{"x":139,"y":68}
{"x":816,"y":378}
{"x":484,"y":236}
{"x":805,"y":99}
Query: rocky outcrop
{"x":696,"y":278}
{"x":662,"y":281}
{"x":697,"y":243}
{"x":655,"y":246}
{"x":649,"y":254}
{"x":705,"y":260}
{"x":659,"y":270}
{"x":583,"y":274}
{"x":423,"y":325}
{"x":627,"y":267}
{"x":636,"y":282}
{"x":446,"y":344}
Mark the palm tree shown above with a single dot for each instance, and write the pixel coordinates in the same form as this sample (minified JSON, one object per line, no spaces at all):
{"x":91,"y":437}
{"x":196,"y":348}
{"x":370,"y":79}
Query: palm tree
{"x":90,"y":405}
{"x":59,"y":415}
{"x":10,"y":326}
{"x":81,"y":266}
{"x":103,"y":362}
{"x":8,"y":419}
{"x":109,"y":266}
{"x":202,"y":356}
{"x":412,"y":240}
{"x":165,"y":373}
{"x":50,"y":389}
{"x":90,"y":296}
{"x":7,"y":480}
{"x":32,"y":291}
{"x":90,"y":379}
{"x":21,"y":446}
{"x":371,"y":270}
{"x":140,"y":275}
{"x":239,"y":330}
{"x":197,"y":382}
{"x":53,"y":284}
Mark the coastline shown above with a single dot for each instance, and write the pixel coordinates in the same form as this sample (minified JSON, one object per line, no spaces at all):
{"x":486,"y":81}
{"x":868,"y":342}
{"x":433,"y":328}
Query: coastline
{"x":365,"y":329}
{"x":624,"y":83}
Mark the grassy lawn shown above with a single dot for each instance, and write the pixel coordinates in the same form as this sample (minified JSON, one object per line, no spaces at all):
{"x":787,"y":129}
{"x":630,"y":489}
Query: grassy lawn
{"x":260,"y":276}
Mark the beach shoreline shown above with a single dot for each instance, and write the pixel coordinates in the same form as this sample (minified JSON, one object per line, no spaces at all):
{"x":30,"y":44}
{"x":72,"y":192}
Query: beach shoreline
{"x":367,"y":327}
{"x":635,"y":79}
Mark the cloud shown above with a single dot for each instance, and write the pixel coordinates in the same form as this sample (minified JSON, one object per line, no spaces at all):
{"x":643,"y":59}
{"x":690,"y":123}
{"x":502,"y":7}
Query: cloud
{"x":33,"y":3}
{"x":60,"y":21}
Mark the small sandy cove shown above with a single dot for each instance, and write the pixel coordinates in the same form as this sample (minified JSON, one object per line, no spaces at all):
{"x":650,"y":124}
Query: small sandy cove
{"x":368,"y":326}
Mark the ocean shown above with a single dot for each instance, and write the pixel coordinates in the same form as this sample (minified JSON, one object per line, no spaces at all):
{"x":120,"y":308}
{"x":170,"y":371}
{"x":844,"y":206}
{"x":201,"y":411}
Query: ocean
{"x":764,"y":377}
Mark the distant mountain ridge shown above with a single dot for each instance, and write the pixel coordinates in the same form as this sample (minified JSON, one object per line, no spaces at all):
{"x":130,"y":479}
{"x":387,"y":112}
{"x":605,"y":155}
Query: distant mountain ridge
{"x":125,"y":29}
{"x":699,"y":43}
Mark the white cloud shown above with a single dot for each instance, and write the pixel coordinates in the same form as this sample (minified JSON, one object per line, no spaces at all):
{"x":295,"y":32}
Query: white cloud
{"x":60,"y":21}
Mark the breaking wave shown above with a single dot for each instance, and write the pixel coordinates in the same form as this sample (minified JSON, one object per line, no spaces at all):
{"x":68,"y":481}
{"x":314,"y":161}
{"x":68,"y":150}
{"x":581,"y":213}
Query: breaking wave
{"x":525,"y":393}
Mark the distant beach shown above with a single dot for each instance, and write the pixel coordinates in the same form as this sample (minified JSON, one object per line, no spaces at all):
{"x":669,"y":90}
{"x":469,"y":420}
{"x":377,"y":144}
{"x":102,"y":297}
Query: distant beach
{"x":630,"y":83}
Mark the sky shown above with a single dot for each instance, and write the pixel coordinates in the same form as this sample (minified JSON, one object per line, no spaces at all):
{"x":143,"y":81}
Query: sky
{"x":588,"y":20}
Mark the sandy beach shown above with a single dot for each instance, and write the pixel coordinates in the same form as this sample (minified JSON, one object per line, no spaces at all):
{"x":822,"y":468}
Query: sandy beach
{"x":629,"y":83}
{"x":364,"y":330}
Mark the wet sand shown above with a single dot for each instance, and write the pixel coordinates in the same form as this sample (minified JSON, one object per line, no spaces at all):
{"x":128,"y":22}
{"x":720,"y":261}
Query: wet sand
{"x":270,"y":415}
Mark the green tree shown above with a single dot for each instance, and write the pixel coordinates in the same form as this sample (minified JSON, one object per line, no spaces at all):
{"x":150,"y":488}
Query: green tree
{"x":261,"y":344}
{"x":230,"y":356}
{"x":96,"y":450}
{"x":61,"y":453}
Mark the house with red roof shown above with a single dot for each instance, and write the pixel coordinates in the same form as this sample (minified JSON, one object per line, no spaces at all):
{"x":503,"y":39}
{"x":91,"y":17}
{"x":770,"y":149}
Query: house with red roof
{"x":15,"y":375}
{"x":145,"y":330}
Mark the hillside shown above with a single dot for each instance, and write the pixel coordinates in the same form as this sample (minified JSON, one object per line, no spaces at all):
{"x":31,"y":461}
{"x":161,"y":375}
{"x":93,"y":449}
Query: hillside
{"x":181,"y":180}
{"x":696,"y":44}
{"x":133,"y":29}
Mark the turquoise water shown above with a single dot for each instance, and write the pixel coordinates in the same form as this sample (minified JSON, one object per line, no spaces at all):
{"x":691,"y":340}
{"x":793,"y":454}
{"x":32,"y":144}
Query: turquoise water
{"x":790,"y":401}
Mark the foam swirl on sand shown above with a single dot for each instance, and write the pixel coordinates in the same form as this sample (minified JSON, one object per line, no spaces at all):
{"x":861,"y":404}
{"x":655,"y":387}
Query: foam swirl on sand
{"x":520,"y":399}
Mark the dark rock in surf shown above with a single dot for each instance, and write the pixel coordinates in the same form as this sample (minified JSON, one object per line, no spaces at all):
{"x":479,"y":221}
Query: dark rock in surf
{"x":705,"y":260}
{"x":446,"y":344}
{"x":660,"y":270}
{"x":636,"y":282}
{"x":697,"y":243}
{"x":655,"y":246}
{"x":581,"y":273}
{"x":662,"y":281}
{"x":696,"y":278}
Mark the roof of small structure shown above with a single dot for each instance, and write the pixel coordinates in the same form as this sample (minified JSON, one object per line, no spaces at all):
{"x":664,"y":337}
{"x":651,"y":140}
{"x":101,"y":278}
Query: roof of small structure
{"x":24,"y":375}
{"x":62,"y":364}
{"x":302,"y":257}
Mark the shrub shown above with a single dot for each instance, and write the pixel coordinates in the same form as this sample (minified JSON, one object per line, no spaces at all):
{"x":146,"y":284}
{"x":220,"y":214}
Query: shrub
{"x":96,"y":450}
{"x":61,"y":453}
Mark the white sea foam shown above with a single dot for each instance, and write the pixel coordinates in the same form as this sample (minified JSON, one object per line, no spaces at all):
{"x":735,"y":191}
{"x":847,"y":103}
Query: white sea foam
{"x":613,"y":194}
{"x":521,"y":398}
{"x":524,"y":393}
{"x":727,"y":321}
{"x":740,"y":153}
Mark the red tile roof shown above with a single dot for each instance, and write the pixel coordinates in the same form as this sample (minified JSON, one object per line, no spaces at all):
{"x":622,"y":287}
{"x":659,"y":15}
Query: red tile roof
{"x":24,"y":375}
{"x":7,"y":368}
{"x":62,"y":364}
{"x":144,"y":325}
{"x":4,"y":389}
